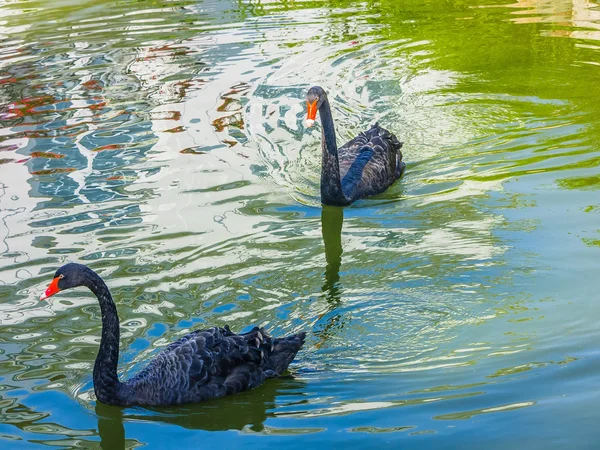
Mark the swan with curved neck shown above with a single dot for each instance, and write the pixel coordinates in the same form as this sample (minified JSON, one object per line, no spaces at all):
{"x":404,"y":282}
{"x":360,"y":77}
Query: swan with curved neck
{"x":365,"y":166}
{"x":204,"y":364}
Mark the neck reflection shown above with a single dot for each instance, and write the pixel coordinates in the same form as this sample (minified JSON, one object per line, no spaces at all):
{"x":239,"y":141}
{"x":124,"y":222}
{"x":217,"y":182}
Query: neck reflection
{"x":110,"y":427}
{"x":332,"y":218}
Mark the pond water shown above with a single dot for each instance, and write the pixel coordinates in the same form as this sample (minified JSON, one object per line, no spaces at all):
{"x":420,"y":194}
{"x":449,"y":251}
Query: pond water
{"x":162,"y":143}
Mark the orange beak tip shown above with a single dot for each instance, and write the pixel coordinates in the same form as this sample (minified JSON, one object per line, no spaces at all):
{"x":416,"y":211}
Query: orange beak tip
{"x":309,"y":123}
{"x":52,"y":289}
{"x":311,"y":113}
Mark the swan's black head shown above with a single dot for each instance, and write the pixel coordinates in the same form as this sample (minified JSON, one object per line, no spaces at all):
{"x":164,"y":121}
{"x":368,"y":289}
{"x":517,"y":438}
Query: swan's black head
{"x":68,"y":276}
{"x":315,"y":97}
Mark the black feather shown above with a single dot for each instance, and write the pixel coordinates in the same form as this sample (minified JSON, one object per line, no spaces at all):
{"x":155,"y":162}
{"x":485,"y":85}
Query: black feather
{"x":210,"y":363}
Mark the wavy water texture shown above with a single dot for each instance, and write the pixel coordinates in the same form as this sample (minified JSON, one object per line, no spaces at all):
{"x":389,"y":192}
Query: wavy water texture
{"x":162,"y":143}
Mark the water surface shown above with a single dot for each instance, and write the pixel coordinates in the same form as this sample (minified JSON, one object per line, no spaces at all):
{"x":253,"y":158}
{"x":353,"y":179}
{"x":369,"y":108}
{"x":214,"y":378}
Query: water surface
{"x":162,"y":143}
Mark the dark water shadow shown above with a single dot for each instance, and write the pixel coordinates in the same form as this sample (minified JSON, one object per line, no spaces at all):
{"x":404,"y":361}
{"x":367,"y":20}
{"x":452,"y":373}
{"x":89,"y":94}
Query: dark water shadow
{"x":246,"y":411}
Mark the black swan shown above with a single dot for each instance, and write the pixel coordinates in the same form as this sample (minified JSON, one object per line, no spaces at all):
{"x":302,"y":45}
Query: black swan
{"x":204,"y":364}
{"x":367,"y":165}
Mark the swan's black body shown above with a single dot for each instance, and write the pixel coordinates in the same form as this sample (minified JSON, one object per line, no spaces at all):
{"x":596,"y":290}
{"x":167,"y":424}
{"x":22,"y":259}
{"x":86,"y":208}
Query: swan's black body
{"x":204,"y":364}
{"x":367,"y":165}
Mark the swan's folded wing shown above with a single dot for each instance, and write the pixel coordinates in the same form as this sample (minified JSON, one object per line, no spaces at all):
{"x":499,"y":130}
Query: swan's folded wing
{"x":356,"y":171}
{"x":205,"y":354}
{"x":202,"y":359}
{"x":211,"y":363}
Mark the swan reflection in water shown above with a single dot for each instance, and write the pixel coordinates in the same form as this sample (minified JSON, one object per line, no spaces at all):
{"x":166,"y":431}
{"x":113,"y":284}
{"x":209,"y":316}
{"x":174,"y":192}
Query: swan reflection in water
{"x":332,"y":219}
{"x":247,"y":411}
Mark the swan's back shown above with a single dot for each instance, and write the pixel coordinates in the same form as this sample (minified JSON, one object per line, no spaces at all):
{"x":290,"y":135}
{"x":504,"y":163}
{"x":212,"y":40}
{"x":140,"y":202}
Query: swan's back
{"x":370,"y":162}
{"x":208,"y":364}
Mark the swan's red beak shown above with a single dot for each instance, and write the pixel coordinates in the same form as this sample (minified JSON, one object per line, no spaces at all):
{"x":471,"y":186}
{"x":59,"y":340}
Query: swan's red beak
{"x":311,"y":114}
{"x":52,"y":289}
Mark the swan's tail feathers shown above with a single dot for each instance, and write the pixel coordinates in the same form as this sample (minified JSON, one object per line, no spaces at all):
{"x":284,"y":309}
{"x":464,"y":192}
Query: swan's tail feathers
{"x":386,"y":136}
{"x":274,"y":354}
{"x":257,"y":338}
{"x":395,"y":142}
{"x":400,"y":167}
{"x":282,"y":353}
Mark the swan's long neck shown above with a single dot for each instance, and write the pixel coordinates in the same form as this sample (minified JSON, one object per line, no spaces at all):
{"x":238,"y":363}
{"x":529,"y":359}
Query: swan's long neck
{"x":106,"y":381}
{"x":331,"y":184}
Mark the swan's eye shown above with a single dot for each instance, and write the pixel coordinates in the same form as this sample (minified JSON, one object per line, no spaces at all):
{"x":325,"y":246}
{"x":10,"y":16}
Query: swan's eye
{"x":61,"y":276}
